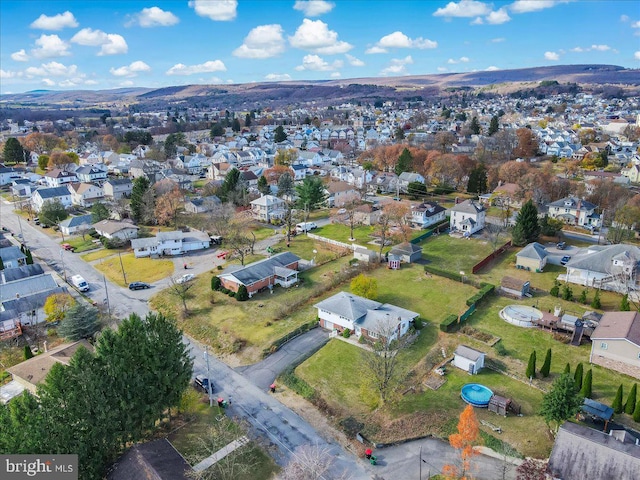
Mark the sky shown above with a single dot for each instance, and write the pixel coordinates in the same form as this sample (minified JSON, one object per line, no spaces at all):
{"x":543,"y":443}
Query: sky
{"x":95,"y":44}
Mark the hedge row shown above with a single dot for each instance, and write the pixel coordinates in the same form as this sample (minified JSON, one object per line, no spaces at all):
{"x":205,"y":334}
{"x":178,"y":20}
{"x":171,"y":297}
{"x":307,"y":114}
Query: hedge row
{"x":282,"y":340}
{"x":443,"y":273}
{"x":449,"y":323}
{"x":486,"y":289}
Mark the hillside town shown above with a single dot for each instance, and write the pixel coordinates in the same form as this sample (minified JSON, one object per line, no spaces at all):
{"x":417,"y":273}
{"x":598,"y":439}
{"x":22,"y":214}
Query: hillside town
{"x":353,"y":281}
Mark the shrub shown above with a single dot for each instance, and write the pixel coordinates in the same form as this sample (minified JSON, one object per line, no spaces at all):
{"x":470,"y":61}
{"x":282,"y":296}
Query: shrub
{"x":567,"y":369}
{"x":546,"y":366}
{"x":486,"y":289}
{"x":219,"y":267}
{"x":232,"y":294}
{"x":577,"y":376}
{"x":216,"y":283}
{"x":242,"y":294}
{"x":225,"y":290}
{"x":586,"y":385}
{"x":361,"y":339}
{"x":636,"y":412}
{"x":52,"y":332}
{"x":555,"y":290}
{"x":346,"y":333}
{"x":531,"y":366}
{"x":595,"y":303}
{"x":630,"y":406}
{"x":443,"y":273}
{"x":501,"y":350}
{"x":567,"y":293}
{"x":583,"y":297}
{"x":449,"y":323}
{"x":617,"y":402}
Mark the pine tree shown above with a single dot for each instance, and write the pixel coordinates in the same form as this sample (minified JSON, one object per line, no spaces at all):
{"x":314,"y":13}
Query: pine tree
{"x":527,"y":228}
{"x":624,"y":303}
{"x":567,"y":369}
{"x":29,"y":257}
{"x":405,"y":162}
{"x":555,"y":290}
{"x":493,"y":126}
{"x":531,"y":366}
{"x":636,"y":413}
{"x":1,"y":264}
{"x":263,"y":185}
{"x":81,"y":321}
{"x":477,"y":180}
{"x":630,"y":406}
{"x":595,"y":303}
{"x":546,"y":366}
{"x":586,"y":384}
{"x":577,"y":376}
{"x":583,"y":297}
{"x":13,"y":151}
{"x":474,"y":126}
{"x":27,"y":352}
{"x":140,"y":187}
{"x":279,"y":134}
{"x":617,"y":402}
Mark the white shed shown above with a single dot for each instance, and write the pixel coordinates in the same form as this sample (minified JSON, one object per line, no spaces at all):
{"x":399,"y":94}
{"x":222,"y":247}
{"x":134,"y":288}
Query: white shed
{"x":468,"y":359}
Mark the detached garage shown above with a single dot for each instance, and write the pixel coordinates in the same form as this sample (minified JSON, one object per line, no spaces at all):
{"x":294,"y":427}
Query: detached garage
{"x":532,"y":257}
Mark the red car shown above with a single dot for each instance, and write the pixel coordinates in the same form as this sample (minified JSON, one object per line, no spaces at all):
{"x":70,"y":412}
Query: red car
{"x":68,"y":247}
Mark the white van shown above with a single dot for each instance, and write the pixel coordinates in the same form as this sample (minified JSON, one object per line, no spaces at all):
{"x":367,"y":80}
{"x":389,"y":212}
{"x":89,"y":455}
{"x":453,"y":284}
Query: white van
{"x":80,"y":283}
{"x":305,"y":227}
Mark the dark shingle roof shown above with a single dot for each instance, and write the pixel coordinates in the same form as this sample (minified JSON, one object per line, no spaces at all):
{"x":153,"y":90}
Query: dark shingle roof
{"x":53,"y":192}
{"x":157,"y":460}
{"x":11,"y":253}
{"x":12,"y":274}
{"x":261,"y":269}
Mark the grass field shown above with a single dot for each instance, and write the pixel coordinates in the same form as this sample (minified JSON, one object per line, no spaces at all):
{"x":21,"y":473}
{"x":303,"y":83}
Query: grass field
{"x":82,"y":245}
{"x":455,"y":254}
{"x":136,"y":269}
{"x":99,"y":254}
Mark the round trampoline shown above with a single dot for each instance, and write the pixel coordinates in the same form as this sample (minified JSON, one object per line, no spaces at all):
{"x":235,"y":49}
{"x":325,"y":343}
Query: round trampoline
{"x":476,"y":395}
{"x":521,"y":315}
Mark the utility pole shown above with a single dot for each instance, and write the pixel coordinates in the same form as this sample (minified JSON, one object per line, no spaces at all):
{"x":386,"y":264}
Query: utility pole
{"x":64,"y":270}
{"x":106,"y":292}
{"x":124,"y":275}
{"x":206,"y":357}
{"x":601,"y":225}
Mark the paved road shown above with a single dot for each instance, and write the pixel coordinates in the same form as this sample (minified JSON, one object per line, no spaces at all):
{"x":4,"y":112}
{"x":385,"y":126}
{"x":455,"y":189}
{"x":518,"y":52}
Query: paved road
{"x":263,"y":374}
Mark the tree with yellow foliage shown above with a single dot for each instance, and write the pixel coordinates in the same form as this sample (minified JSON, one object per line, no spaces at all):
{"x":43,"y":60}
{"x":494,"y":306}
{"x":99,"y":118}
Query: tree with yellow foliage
{"x":56,"y":306}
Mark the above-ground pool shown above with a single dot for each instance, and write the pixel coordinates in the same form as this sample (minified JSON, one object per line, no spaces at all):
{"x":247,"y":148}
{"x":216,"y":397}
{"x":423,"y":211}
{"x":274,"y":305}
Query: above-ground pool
{"x":521,"y":315}
{"x":476,"y":395}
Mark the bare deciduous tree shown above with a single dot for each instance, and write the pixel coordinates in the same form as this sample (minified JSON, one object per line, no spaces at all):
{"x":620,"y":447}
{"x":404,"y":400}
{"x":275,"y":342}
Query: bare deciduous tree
{"x":311,"y":462}
{"x":181,"y":291}
{"x":234,"y":228}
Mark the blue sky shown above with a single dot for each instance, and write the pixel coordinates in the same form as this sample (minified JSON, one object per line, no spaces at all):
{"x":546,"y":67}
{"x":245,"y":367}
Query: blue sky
{"x":94,"y":44}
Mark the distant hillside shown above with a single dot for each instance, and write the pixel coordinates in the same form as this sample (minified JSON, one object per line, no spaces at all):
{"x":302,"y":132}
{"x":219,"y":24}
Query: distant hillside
{"x":273,"y":94}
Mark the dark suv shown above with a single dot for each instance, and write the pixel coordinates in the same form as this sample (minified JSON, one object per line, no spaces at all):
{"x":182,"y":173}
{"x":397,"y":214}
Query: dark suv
{"x":202,"y":383}
{"x":138,"y":286}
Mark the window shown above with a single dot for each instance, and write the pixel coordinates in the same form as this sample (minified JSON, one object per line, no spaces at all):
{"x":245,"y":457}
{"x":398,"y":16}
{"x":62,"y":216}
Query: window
{"x":373,"y":334}
{"x":603,"y":345}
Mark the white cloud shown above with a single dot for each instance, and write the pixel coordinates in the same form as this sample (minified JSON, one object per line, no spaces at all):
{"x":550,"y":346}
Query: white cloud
{"x":354,"y":62}
{"x":313,"y":8}
{"x":498,"y":17}
{"x":48,"y":82}
{"x":126,"y":83}
{"x":375,"y":49}
{"x":635,"y":24}
{"x":56,"y":22}
{"x":600,"y":48}
{"x":636,"y":55}
{"x":498,"y":40}
{"x":400,"y":40}
{"x":154,"y":17}
{"x":492,"y":68}
{"x":526,"y":6}
{"x":442,"y":69}
{"x":314,"y":35}
{"x":397,"y":66}
{"x":578,"y":49}
{"x":597,"y":48}
{"x":109,"y":43}
{"x":464,"y":8}
{"x":277,"y":77}
{"x":130,"y":70}
{"x":478,"y":21}
{"x":551,"y":56}
{"x":52,"y":69}
{"x":220,"y":10}
{"x":20,"y":56}
{"x":9,"y":74}
{"x":624,"y":18}
{"x":263,"y":41}
{"x":336,"y":75}
{"x":210,"y":66}
{"x":50,"y":46}
{"x":318,"y":64}
{"x":452,"y":61}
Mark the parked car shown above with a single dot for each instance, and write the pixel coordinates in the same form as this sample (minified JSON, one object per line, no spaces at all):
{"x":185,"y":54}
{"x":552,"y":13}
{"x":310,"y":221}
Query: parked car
{"x":138,"y":286}
{"x":187,"y":277}
{"x":68,"y":247}
{"x":80,"y":283}
{"x":36,"y":221}
{"x":201,"y":382}
{"x":565,"y":259}
{"x":561,"y":245}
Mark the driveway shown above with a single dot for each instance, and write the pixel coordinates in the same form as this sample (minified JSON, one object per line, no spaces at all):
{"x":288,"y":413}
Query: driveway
{"x":263,"y":373}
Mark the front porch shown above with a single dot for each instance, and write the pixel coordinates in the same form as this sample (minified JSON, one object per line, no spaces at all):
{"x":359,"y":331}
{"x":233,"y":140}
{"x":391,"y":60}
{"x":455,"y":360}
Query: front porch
{"x":285,"y":277}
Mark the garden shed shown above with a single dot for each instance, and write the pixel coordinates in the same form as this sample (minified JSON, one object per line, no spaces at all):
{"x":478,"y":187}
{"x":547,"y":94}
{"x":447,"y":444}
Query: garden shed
{"x":499,"y":405}
{"x":468,"y":359}
{"x":407,"y":252}
{"x":515,"y":287}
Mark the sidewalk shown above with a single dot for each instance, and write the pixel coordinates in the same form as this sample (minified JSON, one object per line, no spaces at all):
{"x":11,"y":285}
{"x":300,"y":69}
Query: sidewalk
{"x":220,"y":454}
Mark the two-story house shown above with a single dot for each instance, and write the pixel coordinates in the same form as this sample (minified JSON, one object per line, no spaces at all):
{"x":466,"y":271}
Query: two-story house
{"x":57,"y":178}
{"x":426,"y":214}
{"x":341,"y":193}
{"x":85,"y":194}
{"x":268,"y":207}
{"x":43,"y":195}
{"x":91,"y":174}
{"x":467,"y":217}
{"x":116,"y":188}
{"x":405,"y":178}
{"x":575,"y":211}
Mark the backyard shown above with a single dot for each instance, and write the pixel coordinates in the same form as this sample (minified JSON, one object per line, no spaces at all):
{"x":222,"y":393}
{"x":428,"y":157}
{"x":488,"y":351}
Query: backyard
{"x":123,"y":269}
{"x":455,"y":254}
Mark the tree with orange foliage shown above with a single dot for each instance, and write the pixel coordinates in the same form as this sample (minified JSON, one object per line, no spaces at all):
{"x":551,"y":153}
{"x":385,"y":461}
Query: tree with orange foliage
{"x":168,"y":206}
{"x":42,"y":142}
{"x":274,"y":173}
{"x":59,"y":159}
{"x":390,"y":223}
{"x":468,"y":433}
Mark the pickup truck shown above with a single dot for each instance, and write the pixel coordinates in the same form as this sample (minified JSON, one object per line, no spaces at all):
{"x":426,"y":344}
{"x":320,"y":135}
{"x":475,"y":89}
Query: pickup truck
{"x":202,"y":383}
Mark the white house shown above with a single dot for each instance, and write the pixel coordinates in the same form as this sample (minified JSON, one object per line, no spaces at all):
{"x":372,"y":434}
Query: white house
{"x":467,"y":217}
{"x":116,"y":230}
{"x":85,"y":194}
{"x":364,"y":317}
{"x":170,"y":243}
{"x":426,"y":214}
{"x":73,"y":225}
{"x":91,"y":173}
{"x":8,"y":174}
{"x":43,"y":195}
{"x":267,"y":207}
{"x":575,"y":211}
{"x":405,"y":178}
{"x":57,"y":178}
{"x":116,"y":188}
{"x":468,"y":359}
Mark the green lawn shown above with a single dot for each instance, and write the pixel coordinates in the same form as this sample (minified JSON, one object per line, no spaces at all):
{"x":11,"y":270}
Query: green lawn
{"x":341,"y":233}
{"x":82,"y":245}
{"x":98,"y":254}
{"x":136,"y":269}
{"x":455,"y":254}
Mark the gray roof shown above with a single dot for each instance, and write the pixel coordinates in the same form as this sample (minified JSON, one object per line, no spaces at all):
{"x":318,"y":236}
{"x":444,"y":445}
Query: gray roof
{"x":89,"y":169}
{"x":469,"y":353}
{"x":27,"y":286}
{"x":169,"y":236}
{"x":429,"y":208}
{"x":406,"y":248}
{"x":11,"y":253}
{"x":119,"y":181}
{"x":156,"y":460}
{"x":53,"y":192}
{"x":533,"y":250}
{"x":76,"y":221}
{"x":572,"y":202}
{"x":468,"y":206}
{"x":34,"y":301}
{"x":261,"y":269}
{"x":111,"y":226}
{"x":588,"y":454}
{"x":143,"y":242}
{"x":12,"y":274}
{"x":599,"y":259}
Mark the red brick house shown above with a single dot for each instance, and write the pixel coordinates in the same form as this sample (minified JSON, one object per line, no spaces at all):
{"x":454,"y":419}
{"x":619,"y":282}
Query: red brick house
{"x":280,"y":269}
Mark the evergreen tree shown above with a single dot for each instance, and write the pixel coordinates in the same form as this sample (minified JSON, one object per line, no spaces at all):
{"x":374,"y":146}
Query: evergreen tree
{"x":81,"y":321}
{"x":617,"y":402}
{"x":555,"y":290}
{"x":405,"y":162}
{"x":27,"y":352}
{"x":99,"y":212}
{"x":477,"y":180}
{"x":531,"y":366}
{"x":577,"y":376}
{"x":140,"y":187}
{"x":526,"y":229}
{"x":586,"y":384}
{"x":215,"y":283}
{"x":217,"y":130}
{"x":263,"y":185}
{"x":235,"y":126}
{"x":22,"y":247}
{"x":247,"y":120}
{"x":562,"y":402}
{"x":242,"y":294}
{"x":286,"y":186}
{"x":1,"y":264}
{"x":399,"y":133}
{"x":53,"y":212}
{"x":546,"y":366}
{"x":567,"y":292}
{"x":583,"y":297}
{"x":29,"y":258}
{"x":311,"y":193}
{"x":13,"y":151}
{"x":595,"y":303}
{"x":230,"y":184}
{"x":493,"y":126}
{"x":279,"y":134}
{"x":567,"y":369}
{"x":630,"y":406}
{"x":475,"y":126}
{"x":624,"y":304}
{"x":636,"y":413}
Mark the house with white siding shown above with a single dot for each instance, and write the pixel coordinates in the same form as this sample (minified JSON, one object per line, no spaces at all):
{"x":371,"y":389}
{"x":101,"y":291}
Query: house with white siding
{"x":467,"y":217}
{"x":43,"y":195}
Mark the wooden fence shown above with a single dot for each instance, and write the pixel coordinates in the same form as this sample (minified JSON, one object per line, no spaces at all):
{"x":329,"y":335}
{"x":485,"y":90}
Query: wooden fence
{"x":490,"y":257}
